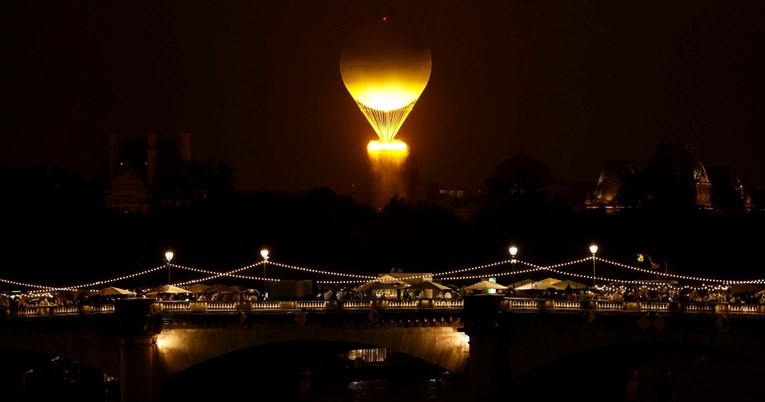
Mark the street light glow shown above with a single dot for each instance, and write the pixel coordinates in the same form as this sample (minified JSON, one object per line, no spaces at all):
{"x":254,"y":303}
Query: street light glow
{"x":513,"y":251}
{"x":264,"y":254}
{"x":593,"y":250}
{"x":168,"y":257}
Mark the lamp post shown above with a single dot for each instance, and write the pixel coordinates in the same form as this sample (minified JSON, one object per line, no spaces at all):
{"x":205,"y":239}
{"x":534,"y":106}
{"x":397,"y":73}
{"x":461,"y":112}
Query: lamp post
{"x":593,"y":250}
{"x":264,"y":254}
{"x":513,"y":251}
{"x":168,"y":257}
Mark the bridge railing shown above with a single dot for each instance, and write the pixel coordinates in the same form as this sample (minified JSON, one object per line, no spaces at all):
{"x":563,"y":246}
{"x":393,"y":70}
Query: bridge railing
{"x":506,"y":304}
{"x":45,"y":311}
{"x":648,"y":306}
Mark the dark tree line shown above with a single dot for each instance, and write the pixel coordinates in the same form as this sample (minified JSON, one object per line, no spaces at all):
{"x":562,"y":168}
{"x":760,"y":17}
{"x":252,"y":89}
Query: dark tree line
{"x":57,"y":229}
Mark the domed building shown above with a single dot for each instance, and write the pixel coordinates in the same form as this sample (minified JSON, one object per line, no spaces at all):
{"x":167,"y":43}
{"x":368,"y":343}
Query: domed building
{"x":673,"y":176}
{"x":729,"y":192}
{"x":680,"y":164}
{"x":520,"y":177}
{"x":609,"y":184}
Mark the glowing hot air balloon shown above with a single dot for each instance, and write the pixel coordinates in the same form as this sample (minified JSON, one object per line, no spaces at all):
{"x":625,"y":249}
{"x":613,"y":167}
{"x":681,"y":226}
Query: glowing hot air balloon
{"x":386,"y":74}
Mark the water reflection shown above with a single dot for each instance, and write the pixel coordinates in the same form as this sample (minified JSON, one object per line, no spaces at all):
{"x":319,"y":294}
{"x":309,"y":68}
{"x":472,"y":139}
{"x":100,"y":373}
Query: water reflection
{"x":444,"y":387}
{"x":684,"y":375}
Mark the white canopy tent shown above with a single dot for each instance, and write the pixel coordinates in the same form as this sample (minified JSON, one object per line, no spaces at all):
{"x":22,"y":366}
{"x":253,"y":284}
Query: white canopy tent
{"x":166,"y":289}
{"x":384,"y":282}
{"x":568,"y":284}
{"x":114,"y":291}
{"x":539,"y":285}
{"x":485,"y":285}
{"x":552,"y":283}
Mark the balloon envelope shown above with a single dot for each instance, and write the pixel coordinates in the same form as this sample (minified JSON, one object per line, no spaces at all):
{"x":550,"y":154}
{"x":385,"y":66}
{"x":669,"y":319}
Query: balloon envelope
{"x":385,"y":74}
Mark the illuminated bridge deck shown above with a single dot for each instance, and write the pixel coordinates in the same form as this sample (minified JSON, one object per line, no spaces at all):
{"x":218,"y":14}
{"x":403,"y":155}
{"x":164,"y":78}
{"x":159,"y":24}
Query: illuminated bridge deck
{"x":507,"y":304}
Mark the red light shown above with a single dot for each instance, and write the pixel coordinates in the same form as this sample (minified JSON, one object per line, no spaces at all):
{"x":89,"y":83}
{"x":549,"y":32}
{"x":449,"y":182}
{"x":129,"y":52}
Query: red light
{"x":385,"y":19}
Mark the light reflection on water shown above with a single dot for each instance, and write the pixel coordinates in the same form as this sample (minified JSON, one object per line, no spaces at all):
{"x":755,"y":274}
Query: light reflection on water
{"x":444,"y":388}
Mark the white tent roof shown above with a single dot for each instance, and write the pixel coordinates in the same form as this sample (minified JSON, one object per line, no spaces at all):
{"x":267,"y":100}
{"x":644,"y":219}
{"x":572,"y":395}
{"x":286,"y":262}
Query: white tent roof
{"x":168,"y":289}
{"x":383,"y":282}
{"x":485,"y":284}
{"x":554,"y":283}
{"x":430,"y":285}
{"x":115,"y":291}
{"x":520,"y":283}
{"x":541,"y":284}
{"x":568,"y":283}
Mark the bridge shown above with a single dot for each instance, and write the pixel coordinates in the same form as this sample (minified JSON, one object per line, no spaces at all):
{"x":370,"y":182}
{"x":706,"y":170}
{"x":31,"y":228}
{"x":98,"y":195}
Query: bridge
{"x":491,"y":339}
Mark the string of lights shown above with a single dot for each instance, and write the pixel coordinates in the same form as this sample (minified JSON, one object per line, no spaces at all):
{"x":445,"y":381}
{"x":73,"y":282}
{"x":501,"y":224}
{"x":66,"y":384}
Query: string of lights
{"x":460,"y":274}
{"x":82,"y":286}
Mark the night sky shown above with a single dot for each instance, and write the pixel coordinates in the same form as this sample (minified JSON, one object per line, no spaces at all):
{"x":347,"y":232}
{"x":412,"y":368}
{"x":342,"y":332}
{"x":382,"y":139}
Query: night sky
{"x":257,"y":83}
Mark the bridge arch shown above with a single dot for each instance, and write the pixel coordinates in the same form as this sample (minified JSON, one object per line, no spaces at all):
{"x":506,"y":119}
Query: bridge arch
{"x":283,"y":369}
{"x":181,"y":346}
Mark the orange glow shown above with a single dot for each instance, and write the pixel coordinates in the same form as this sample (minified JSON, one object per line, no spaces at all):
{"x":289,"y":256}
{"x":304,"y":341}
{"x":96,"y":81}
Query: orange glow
{"x":388,"y":160}
{"x":385,"y":75}
{"x":166,"y":341}
{"x":387,"y":155}
{"x":394,"y":146}
{"x":387,"y":91}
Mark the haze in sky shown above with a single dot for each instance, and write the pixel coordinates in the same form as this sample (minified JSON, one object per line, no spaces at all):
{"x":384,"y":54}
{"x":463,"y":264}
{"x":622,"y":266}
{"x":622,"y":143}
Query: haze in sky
{"x":258,"y":85}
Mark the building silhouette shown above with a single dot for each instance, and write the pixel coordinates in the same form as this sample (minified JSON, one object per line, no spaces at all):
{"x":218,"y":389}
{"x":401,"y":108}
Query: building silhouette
{"x":674,"y":177}
{"x":138,"y":167}
{"x":520,"y":177}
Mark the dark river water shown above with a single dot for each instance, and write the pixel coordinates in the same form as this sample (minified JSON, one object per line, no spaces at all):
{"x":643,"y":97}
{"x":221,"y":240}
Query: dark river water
{"x":280,"y":375}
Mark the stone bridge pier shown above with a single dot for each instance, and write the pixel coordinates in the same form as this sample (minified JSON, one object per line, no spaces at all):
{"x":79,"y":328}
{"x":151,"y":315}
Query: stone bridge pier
{"x":613,"y":355}
{"x":481,"y":323}
{"x":137,"y":329}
